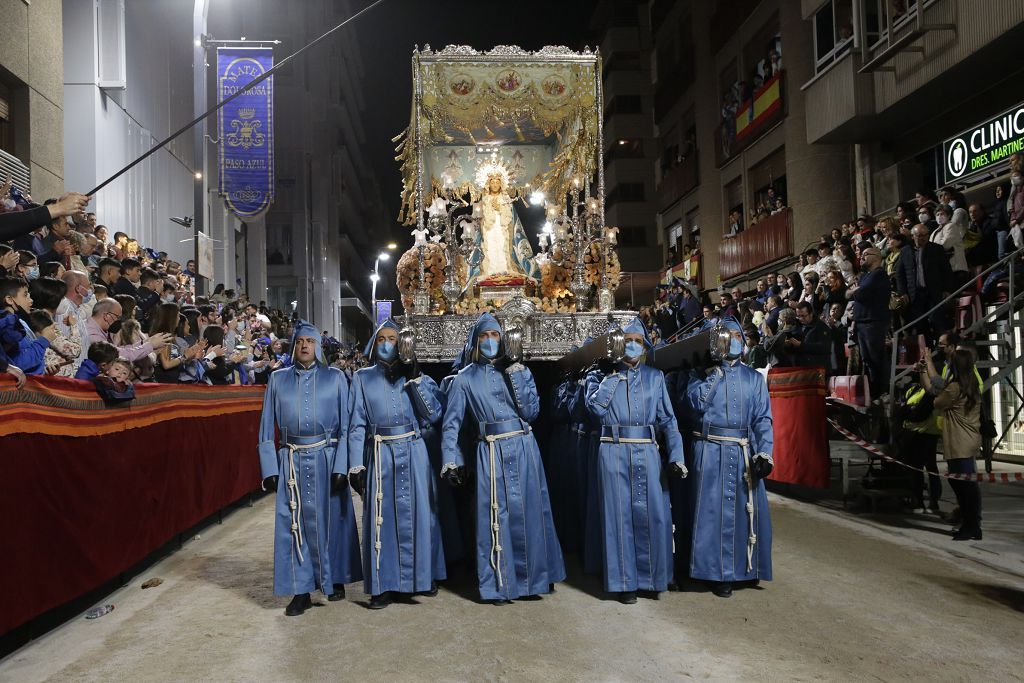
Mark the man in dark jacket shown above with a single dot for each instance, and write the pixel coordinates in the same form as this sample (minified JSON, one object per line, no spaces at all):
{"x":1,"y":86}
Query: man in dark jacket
{"x":924,"y":278}
{"x":870,"y":298}
{"x":128,"y":283}
{"x":811,"y":346}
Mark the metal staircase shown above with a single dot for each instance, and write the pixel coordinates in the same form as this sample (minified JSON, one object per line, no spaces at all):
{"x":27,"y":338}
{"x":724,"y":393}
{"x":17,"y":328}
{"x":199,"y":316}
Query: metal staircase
{"x":998,"y":335}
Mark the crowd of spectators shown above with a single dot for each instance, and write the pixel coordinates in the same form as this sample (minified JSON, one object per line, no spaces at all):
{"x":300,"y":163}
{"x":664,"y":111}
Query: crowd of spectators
{"x":79,"y":300}
{"x":743,"y":90}
{"x":841,"y":302}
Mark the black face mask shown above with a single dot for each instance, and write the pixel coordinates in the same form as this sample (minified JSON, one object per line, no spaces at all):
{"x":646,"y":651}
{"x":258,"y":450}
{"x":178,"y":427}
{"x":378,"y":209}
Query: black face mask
{"x":115,"y":327}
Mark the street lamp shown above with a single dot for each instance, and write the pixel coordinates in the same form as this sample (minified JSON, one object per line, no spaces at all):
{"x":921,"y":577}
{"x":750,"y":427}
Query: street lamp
{"x":375,"y":278}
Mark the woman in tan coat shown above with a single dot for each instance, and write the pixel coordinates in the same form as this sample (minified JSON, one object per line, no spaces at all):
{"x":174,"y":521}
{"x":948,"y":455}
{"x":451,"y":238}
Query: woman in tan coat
{"x":959,"y":403}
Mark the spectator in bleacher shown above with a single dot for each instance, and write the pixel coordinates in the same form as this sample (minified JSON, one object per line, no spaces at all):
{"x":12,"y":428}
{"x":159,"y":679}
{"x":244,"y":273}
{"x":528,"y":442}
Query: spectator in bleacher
{"x":148,"y":292}
{"x":793,"y":290}
{"x":811,"y":259}
{"x":779,"y":353}
{"x":959,"y":402}
{"x":918,"y":443}
{"x":870,"y":298}
{"x":843,"y":260}
{"x":834,"y":290}
{"x":65,"y":349}
{"x":52,"y":269}
{"x":811,"y":343}
{"x":925,"y":198}
{"x":728,"y":305}
{"x":108,"y":273}
{"x":28,"y":266}
{"x":689,"y":308}
{"x":952,"y":197}
{"x":835,"y":321}
{"x":101,"y":355}
{"x":754,"y":354}
{"x":980,"y":242}
{"x":771,"y":318}
{"x":950,"y":236}
{"x":999,"y":211}
{"x":924,"y":278}
{"x":74,"y":309}
{"x":926,"y":217}
{"x":130,"y":334}
{"x":104,"y":314}
{"x":735,"y":223}
{"x":21,"y":346}
{"x":130,"y":279}
{"x":220,"y":369}
{"x":1015,"y":209}
{"x":906,"y":215}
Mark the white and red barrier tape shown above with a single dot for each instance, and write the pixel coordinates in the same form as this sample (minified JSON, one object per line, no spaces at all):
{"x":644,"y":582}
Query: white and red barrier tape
{"x":988,"y":477}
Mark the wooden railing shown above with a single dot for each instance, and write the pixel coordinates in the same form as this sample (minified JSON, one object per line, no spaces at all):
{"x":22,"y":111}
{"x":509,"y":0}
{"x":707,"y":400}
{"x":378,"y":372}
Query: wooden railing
{"x":758,"y":245}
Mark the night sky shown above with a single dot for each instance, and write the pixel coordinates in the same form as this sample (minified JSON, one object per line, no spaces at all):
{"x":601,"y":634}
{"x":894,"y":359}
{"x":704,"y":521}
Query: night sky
{"x":389,"y":31}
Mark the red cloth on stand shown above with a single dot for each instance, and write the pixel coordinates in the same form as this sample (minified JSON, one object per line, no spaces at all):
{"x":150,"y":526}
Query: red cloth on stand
{"x":801,"y":433}
{"x":76,"y":511}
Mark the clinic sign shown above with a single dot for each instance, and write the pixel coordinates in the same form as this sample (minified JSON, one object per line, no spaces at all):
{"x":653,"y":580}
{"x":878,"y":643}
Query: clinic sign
{"x":984,"y":146}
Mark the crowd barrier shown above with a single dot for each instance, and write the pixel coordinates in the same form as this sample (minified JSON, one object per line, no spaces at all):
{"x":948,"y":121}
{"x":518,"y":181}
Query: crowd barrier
{"x":90,"y":490}
{"x":801,"y":432}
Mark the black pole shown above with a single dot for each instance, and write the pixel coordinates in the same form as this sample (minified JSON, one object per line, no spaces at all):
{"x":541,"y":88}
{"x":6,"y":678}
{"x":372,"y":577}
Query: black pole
{"x":213,"y":109}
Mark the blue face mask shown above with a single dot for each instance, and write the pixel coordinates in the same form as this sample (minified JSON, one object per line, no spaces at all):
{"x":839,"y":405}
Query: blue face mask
{"x":735,"y":347}
{"x":489,"y":347}
{"x":634,"y":349}
{"x":89,"y":296}
{"x":386,"y":351}
{"x":33,"y":273}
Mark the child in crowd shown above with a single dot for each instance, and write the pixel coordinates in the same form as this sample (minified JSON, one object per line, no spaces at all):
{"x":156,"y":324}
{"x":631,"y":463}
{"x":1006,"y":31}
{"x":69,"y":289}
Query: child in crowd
{"x":100,"y":357}
{"x":115,"y":384}
{"x":20,"y":343}
{"x":41,"y":324}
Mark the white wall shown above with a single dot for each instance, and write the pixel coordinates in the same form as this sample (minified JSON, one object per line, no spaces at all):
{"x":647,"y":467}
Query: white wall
{"x":105,"y":130}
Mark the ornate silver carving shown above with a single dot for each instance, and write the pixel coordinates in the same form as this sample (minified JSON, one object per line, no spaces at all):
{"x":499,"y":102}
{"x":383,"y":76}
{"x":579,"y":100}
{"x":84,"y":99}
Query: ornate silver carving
{"x":452,"y":50}
{"x":554,"y":51}
{"x":545,"y":337}
{"x":508,"y":51}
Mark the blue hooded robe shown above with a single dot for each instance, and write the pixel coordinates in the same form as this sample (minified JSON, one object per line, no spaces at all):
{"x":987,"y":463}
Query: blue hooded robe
{"x":517,"y":547}
{"x":400,"y":506}
{"x":315,"y":544}
{"x":727,"y":421}
{"x":633,"y":406}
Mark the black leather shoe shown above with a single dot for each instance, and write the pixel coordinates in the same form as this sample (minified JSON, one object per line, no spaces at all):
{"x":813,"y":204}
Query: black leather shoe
{"x":965,"y":534}
{"x":673,"y":587}
{"x":338,"y":594}
{"x":298,"y":605}
{"x":380,"y":601}
{"x":500,"y":602}
{"x":628,"y":598}
{"x":433,"y":590}
{"x":722,"y":590}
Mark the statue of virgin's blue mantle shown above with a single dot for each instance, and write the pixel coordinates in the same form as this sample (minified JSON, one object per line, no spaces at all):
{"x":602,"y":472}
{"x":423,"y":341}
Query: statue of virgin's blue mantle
{"x":309,"y":407}
{"x":713,"y":531}
{"x":384,"y":437}
{"x":517,"y":549}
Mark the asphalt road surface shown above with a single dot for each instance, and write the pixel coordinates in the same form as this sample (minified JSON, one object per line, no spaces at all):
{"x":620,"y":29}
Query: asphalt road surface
{"x":850,"y":602}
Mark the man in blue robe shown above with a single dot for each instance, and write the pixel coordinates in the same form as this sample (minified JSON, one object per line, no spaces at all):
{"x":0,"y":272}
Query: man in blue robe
{"x":316,"y":546}
{"x":632,"y":404}
{"x":724,"y":531}
{"x":389,"y":467}
{"x":517,"y":548}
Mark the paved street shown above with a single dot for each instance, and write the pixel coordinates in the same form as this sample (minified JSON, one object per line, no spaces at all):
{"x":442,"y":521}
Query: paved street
{"x":853,"y":600}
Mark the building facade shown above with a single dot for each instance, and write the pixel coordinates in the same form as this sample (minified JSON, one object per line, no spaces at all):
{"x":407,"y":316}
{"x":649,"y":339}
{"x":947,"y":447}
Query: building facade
{"x":32,"y":96}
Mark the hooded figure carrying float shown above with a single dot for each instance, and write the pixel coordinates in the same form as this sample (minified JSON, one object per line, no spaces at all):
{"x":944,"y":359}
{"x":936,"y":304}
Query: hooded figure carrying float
{"x":630,"y":401}
{"x":517,"y":549}
{"x":724,"y":534}
{"x":315,"y":542}
{"x":390,"y":468}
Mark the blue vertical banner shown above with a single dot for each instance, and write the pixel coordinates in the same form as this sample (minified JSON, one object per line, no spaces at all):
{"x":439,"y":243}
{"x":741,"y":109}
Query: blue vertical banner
{"x":245,"y":127}
{"x":383,"y":310}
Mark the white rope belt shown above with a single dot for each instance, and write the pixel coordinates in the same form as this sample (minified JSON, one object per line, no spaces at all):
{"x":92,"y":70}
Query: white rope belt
{"x":378,"y":478}
{"x":495,"y":556}
{"x":612,"y":439}
{"x":749,"y":479}
{"x":294,"y":502}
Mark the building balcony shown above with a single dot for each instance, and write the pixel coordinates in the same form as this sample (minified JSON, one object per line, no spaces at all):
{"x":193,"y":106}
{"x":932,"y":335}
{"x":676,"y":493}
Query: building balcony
{"x":758,"y":245}
{"x":753,"y":118}
{"x":842,"y":99}
{"x":678,"y":181}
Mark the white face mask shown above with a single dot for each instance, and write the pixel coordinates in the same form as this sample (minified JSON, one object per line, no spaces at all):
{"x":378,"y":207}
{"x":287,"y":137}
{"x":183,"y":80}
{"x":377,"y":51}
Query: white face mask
{"x":923,"y":217}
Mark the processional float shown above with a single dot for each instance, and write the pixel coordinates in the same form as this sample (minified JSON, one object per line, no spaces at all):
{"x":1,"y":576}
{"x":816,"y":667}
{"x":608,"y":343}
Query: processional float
{"x":502,"y":145}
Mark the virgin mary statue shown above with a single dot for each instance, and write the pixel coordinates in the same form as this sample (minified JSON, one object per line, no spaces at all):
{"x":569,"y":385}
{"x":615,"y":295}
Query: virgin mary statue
{"x":503,"y":255}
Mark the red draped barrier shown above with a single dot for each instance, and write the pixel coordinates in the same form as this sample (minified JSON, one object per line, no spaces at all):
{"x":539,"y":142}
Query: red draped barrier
{"x":76,"y":511}
{"x":801,"y":433}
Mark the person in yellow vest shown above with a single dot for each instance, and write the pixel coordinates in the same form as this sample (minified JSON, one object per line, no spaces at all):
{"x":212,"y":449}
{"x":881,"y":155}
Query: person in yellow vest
{"x":918,"y":445}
